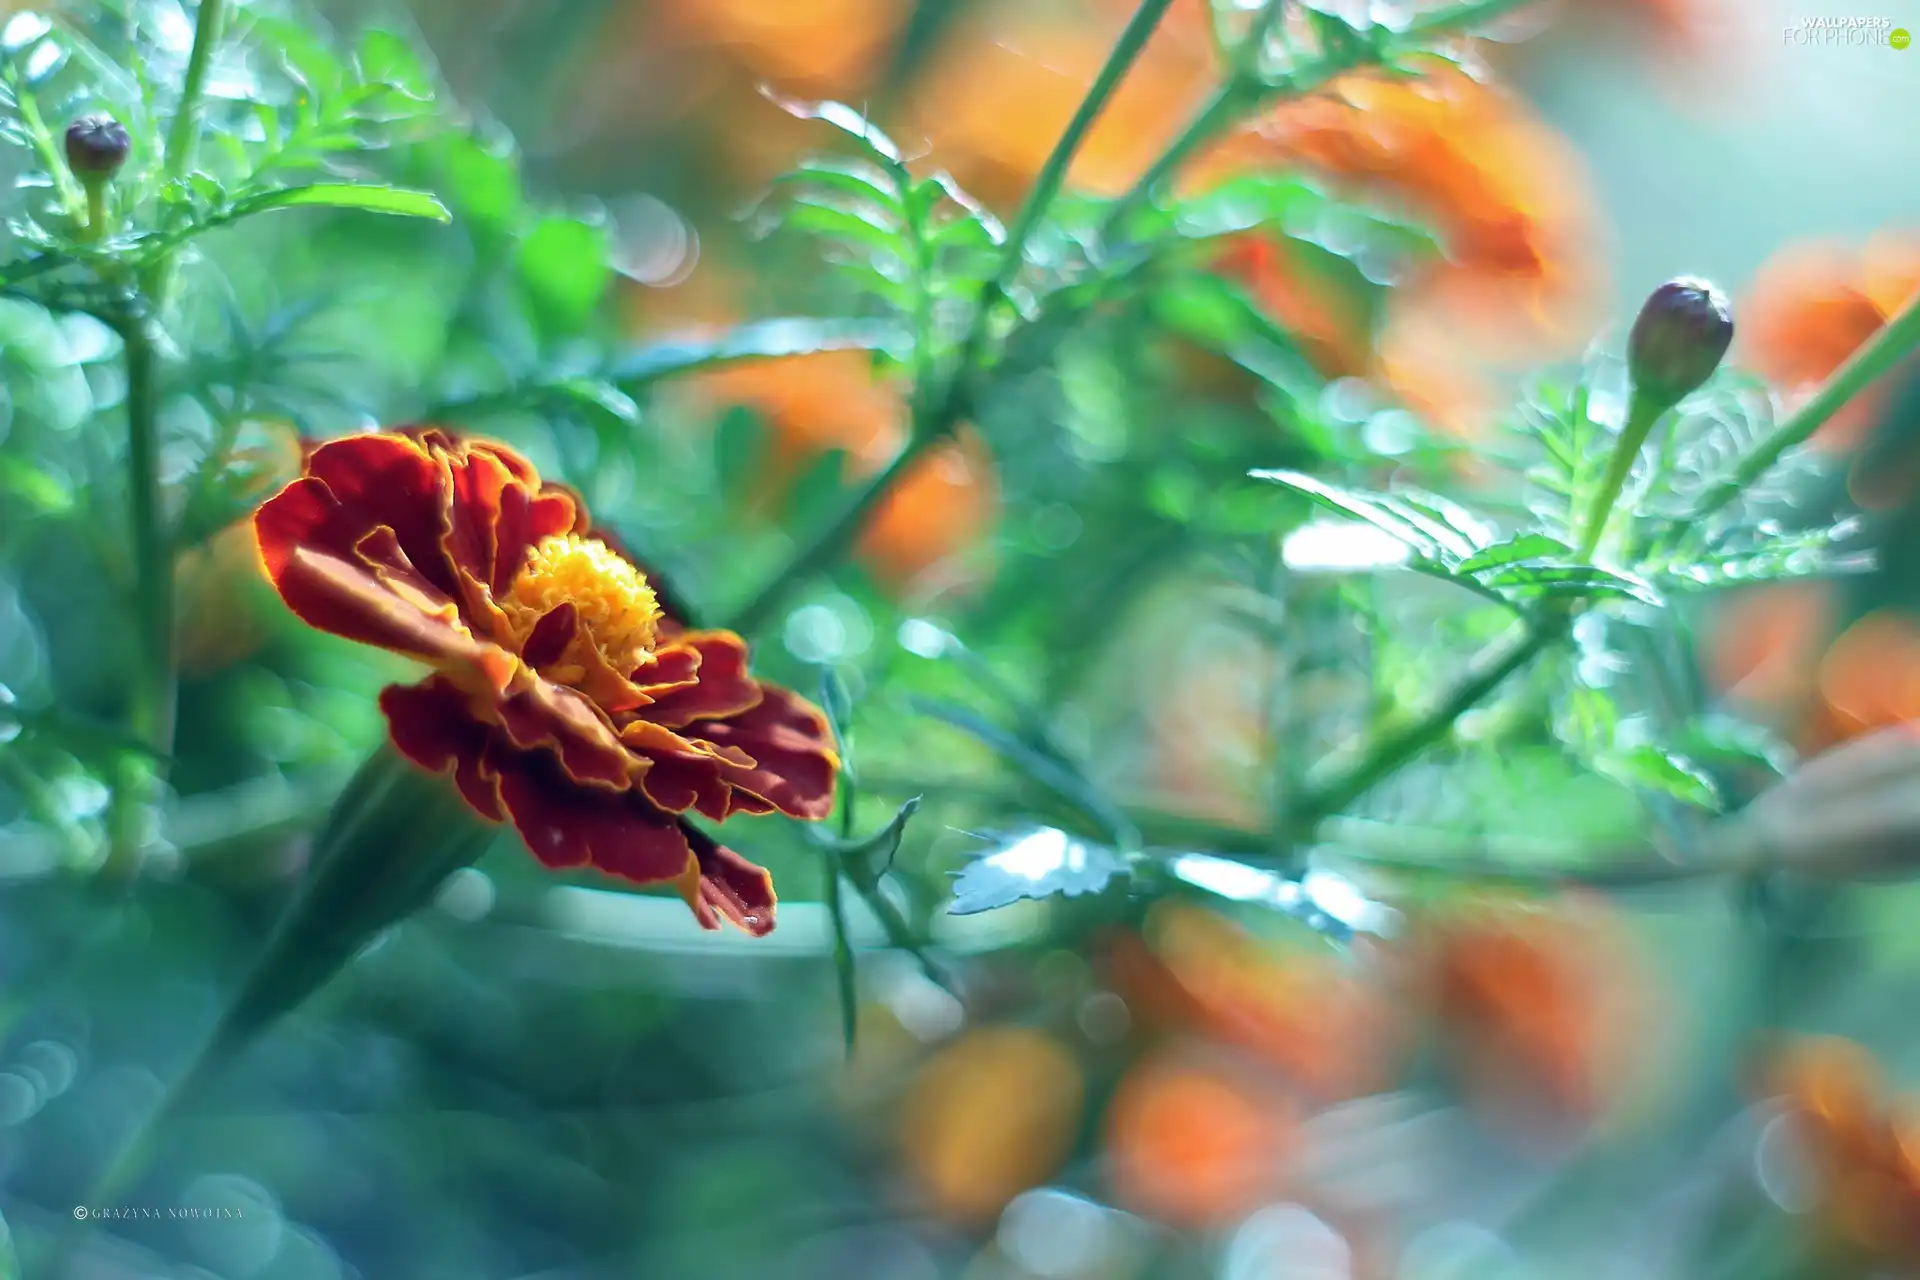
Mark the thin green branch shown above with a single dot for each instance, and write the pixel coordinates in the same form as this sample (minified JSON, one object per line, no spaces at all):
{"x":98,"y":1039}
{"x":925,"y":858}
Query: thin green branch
{"x":1894,"y":342}
{"x":1343,"y":782}
{"x":1053,"y":173}
{"x":825,"y":547}
{"x":73,"y":201}
{"x":1642,"y":414}
{"x":152,"y":712}
{"x":935,"y":417}
{"x":184,"y":134}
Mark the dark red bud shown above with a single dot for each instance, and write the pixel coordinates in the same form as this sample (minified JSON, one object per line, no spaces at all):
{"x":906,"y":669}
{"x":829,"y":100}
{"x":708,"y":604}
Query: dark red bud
{"x":1683,"y":332}
{"x":96,"y":147}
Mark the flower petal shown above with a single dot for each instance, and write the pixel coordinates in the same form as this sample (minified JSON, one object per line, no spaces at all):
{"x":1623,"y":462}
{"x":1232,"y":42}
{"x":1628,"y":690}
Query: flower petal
{"x":681,"y":774}
{"x":723,"y":688}
{"x":394,"y":481}
{"x":538,"y":714}
{"x":432,"y":725}
{"x":730,"y":887}
{"x":347,"y":600}
{"x":794,"y":765}
{"x":567,"y":825}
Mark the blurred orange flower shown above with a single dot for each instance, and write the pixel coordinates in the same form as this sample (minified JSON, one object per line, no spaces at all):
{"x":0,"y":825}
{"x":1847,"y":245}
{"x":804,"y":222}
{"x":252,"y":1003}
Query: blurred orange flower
{"x":1813,"y":304}
{"x":1537,"y":1005}
{"x":218,"y":583}
{"x":1196,"y":1146}
{"x":830,"y":400}
{"x":988,"y":1117}
{"x":215,"y":589}
{"x":999,"y":91}
{"x":1864,"y":1151}
{"x":1869,"y":678}
{"x":821,"y":48}
{"x":1506,"y":194}
{"x":1765,"y":646}
{"x":1318,"y":1023}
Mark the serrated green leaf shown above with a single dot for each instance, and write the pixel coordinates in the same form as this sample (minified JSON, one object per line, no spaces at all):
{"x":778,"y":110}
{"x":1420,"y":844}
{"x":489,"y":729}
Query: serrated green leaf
{"x":1361,"y":506}
{"x":1452,"y":526}
{"x":1528,"y":546}
{"x":1041,"y":864}
{"x":599,"y":397}
{"x":1245,"y":203}
{"x":1571,"y":580}
{"x":758,"y":339}
{"x":844,"y":118}
{"x":850,"y":178}
{"x":851,"y":223}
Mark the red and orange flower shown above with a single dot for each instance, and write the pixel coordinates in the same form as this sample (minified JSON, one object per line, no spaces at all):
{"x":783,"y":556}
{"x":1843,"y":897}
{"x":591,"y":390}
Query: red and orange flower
{"x":563,"y":697}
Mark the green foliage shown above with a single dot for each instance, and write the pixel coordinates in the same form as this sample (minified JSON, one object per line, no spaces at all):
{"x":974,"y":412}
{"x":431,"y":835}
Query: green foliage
{"x":1041,"y":725}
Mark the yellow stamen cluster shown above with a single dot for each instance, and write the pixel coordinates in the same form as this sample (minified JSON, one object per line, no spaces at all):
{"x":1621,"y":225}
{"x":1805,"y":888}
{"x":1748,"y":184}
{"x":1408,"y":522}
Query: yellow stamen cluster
{"x":618,"y":612}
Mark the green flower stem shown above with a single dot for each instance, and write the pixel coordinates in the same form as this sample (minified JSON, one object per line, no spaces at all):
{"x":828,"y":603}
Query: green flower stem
{"x":154,"y":695}
{"x":1642,"y":414}
{"x":183,"y":135}
{"x":73,"y":201}
{"x":1894,"y":342}
{"x":943,"y":413}
{"x":828,"y":545}
{"x":1342,"y":783}
{"x":1053,"y":173}
{"x":394,"y":836}
{"x":97,"y":216}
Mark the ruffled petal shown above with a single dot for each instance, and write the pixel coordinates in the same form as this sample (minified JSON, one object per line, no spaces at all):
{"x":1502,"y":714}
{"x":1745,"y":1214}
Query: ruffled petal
{"x":432,"y":725}
{"x":392,"y":480}
{"x":572,"y":826}
{"x":345,"y":599}
{"x":539,"y":715}
{"x":731,"y":887}
{"x":681,"y":774}
{"x":794,"y":764}
{"x":722,"y":690}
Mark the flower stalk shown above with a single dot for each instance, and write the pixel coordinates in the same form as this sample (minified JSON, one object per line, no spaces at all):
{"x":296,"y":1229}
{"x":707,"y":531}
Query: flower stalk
{"x":154,"y":694}
{"x":391,"y":840}
{"x":1894,"y":342}
{"x":936,"y":416}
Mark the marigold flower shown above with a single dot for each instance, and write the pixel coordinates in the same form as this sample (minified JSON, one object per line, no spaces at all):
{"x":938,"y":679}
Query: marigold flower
{"x":563,"y":697}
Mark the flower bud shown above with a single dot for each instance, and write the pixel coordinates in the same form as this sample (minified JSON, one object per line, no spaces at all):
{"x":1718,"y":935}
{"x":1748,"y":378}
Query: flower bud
{"x":1683,"y":331}
{"x":96,"y":148}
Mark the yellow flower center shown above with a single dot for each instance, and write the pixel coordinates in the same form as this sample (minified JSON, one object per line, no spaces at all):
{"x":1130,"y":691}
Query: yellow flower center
{"x":617,"y":611}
